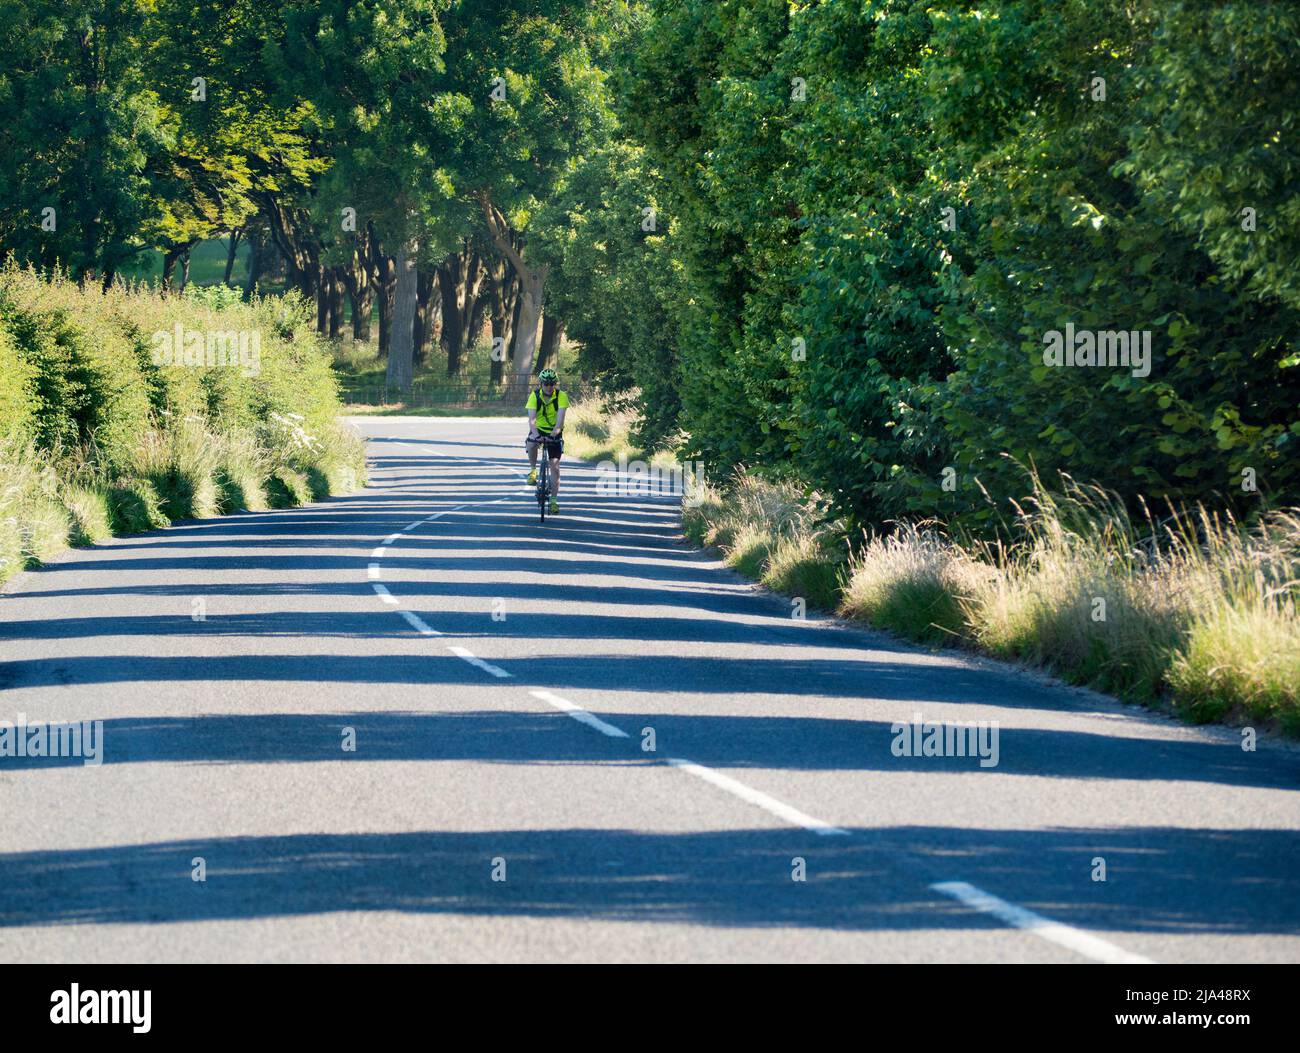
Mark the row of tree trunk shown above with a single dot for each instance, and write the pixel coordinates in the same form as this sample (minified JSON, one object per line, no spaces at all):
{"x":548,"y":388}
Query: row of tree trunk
{"x":478,"y":286}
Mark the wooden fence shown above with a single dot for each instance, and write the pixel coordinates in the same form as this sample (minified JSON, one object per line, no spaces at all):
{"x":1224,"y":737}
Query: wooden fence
{"x":480,"y":395}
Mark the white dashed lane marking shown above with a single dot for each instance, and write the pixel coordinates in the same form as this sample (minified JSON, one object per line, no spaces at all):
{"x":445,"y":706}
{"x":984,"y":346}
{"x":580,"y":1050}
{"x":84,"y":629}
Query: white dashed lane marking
{"x":1067,"y":936}
{"x":1077,"y":940}
{"x":472,"y":659}
{"x":579,"y":714}
{"x":418,"y":624}
{"x":747,"y":793}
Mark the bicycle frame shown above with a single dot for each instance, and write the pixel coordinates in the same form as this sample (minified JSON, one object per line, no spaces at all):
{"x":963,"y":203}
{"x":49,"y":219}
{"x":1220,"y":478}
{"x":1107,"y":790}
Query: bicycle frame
{"x":544,"y":475}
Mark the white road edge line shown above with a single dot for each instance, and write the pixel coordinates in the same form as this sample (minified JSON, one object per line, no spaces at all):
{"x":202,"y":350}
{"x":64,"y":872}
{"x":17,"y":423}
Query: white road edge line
{"x":417,"y":623}
{"x":747,"y":793}
{"x":472,"y":659}
{"x":383,"y":593}
{"x":580,"y":714}
{"x":1067,"y":936}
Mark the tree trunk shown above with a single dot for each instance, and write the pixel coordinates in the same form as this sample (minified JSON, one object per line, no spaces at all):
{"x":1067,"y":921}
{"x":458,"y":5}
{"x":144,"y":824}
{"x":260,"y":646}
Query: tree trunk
{"x":532,"y":281}
{"x":552,"y":333}
{"x":386,"y":290}
{"x":362,"y":295}
{"x":460,"y":278}
{"x":401,"y":355}
{"x":482,"y":303}
{"x":360,"y":278}
{"x":300,"y":251}
{"x":530,"y":310}
{"x":185,"y":269}
{"x":257,"y":259}
{"x":276,"y":268}
{"x":435,"y":310}
{"x":425,"y":292}
{"x":505,"y":293}
{"x":170,"y":256}
{"x":336,"y":302}
{"x":322,"y":299}
{"x":232,"y":251}
{"x":449,"y":288}
{"x":511,"y":376}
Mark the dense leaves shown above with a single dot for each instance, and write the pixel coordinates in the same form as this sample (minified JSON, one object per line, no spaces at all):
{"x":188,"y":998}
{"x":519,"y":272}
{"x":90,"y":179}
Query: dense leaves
{"x":842,"y":242}
{"x":885,"y":210}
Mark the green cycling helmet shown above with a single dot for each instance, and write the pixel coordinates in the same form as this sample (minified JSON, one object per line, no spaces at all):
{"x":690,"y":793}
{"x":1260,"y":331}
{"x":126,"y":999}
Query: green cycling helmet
{"x":547,"y":376}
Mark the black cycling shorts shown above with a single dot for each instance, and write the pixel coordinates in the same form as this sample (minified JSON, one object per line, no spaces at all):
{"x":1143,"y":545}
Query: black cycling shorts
{"x":557,"y":445}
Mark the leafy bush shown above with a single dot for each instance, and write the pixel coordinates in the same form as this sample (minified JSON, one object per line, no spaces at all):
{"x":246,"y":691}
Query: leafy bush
{"x":135,"y":506}
{"x":92,"y":518}
{"x":181,"y":464}
{"x":288,"y":489}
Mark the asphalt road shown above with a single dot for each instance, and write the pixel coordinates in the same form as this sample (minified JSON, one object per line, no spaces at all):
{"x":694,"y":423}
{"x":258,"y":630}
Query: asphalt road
{"x":502,"y":681}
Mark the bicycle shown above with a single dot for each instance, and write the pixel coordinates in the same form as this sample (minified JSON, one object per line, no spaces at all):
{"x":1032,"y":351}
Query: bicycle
{"x":549,"y":443}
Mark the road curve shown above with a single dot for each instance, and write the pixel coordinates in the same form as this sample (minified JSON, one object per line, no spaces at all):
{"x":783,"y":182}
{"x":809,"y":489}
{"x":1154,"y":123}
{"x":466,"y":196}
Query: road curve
{"x":502,"y":682}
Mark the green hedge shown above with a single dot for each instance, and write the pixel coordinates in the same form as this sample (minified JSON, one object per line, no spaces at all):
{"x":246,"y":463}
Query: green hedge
{"x":883,"y":207}
{"x":104,"y":425}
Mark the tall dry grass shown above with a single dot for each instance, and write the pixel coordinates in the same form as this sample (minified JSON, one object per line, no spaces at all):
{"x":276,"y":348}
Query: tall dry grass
{"x":769,"y":531}
{"x":1189,"y":607}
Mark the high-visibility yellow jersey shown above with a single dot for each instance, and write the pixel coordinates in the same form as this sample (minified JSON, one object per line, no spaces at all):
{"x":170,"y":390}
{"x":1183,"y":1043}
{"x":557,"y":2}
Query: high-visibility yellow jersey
{"x":547,"y":409}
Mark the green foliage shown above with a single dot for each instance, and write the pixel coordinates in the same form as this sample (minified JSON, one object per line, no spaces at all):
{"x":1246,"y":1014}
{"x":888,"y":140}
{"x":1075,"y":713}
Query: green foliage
{"x":77,"y":129}
{"x":1064,"y":233}
{"x":1214,"y":133}
{"x":880,"y":210}
{"x":17,"y":389}
{"x":288,"y":488}
{"x":618,"y":286}
{"x":92,"y":517}
{"x":135,"y":506}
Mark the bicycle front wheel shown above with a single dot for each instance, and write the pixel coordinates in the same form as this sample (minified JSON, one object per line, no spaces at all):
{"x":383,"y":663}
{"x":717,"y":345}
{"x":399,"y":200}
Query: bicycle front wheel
{"x":544,"y":486}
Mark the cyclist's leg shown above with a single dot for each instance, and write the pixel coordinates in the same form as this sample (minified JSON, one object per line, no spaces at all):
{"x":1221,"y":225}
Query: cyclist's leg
{"x":533,"y":446}
{"x":555,"y":473}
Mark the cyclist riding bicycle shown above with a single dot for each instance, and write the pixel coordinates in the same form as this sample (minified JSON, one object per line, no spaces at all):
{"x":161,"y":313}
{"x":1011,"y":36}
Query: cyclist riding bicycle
{"x":546,"y":407}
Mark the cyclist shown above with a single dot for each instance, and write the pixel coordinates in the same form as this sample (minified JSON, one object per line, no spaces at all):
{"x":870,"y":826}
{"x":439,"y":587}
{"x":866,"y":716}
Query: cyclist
{"x":546,"y":407}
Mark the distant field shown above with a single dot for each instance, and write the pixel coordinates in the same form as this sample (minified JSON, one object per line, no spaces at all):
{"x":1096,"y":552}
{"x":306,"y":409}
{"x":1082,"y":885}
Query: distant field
{"x":207,"y":264}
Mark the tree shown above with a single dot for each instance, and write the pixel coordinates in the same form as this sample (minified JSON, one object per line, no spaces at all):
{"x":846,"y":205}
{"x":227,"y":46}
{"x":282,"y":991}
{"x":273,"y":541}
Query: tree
{"x":77,"y":128}
{"x":531,"y":70}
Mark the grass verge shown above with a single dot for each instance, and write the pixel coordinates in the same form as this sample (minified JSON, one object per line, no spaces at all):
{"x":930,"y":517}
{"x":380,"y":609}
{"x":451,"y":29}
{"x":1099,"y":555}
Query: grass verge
{"x":1192,"y":611}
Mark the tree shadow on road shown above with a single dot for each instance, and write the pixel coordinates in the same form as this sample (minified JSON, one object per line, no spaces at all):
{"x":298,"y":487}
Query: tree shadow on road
{"x":1158,"y":880}
{"x":724,"y":741}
